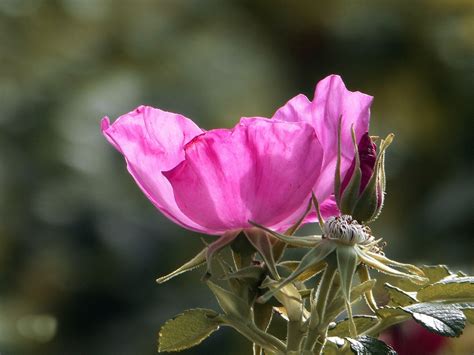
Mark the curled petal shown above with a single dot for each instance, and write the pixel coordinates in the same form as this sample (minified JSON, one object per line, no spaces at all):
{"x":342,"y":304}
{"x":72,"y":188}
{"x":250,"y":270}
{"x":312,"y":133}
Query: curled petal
{"x":151,"y":141}
{"x":331,"y":102}
{"x":262,"y":170}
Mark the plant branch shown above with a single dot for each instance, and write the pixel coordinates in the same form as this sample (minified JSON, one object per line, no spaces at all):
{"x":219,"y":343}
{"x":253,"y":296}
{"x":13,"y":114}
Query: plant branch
{"x":317,"y":329}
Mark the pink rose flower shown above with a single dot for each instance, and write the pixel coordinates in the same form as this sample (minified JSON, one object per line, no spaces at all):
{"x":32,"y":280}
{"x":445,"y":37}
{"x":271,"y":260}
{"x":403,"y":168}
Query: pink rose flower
{"x":262,"y":170}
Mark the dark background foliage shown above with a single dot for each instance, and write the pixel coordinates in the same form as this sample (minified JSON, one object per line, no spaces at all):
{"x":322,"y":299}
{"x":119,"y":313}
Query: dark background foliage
{"x":80,"y":246}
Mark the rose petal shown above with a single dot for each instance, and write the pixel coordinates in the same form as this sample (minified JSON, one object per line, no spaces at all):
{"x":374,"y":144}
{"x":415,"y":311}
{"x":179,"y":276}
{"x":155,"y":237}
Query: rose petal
{"x":262,"y":170}
{"x":298,"y":109}
{"x":331,"y":101}
{"x":151,"y":141}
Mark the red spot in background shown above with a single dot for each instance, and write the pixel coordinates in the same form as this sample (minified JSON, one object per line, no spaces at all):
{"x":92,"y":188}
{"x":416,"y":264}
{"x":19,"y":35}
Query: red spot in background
{"x":410,"y":338}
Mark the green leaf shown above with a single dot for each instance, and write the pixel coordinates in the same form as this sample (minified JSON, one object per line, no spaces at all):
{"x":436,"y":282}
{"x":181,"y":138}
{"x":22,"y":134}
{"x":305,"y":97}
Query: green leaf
{"x":362,"y":323}
{"x":261,"y":242}
{"x":467,"y":309}
{"x":390,"y":312}
{"x":230,"y":303}
{"x":469,"y":313}
{"x":452,"y":289}
{"x":439,"y":318}
{"x":192,"y":264}
{"x":187,"y":329}
{"x":399,"y":297}
{"x":436,"y":273}
{"x":365,"y":345}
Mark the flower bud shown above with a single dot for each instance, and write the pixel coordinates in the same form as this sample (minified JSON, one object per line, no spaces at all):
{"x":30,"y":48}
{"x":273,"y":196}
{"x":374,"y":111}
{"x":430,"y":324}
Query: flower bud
{"x":362,"y":189}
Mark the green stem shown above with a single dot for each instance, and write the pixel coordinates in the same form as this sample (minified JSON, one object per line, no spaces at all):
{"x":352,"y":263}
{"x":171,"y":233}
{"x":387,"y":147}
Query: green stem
{"x":257,"y":349}
{"x":385,"y":323}
{"x":256,"y":335}
{"x":294,"y":335}
{"x":317,"y":326}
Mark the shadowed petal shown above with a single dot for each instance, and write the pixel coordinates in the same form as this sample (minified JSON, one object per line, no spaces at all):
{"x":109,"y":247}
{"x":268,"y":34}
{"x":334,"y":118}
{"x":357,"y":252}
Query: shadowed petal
{"x":262,"y":170}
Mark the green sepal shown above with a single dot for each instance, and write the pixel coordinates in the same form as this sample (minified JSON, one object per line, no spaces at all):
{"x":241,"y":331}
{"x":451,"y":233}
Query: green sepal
{"x":215,"y":247}
{"x":192,"y":264}
{"x":367,"y":208}
{"x":309,"y":241}
{"x":251,"y":274}
{"x":261,"y":242}
{"x":347,"y":261}
{"x":363,"y":273}
{"x":242,"y":251}
{"x":368,"y":260}
{"x":308,"y":273}
{"x":350,"y":194}
{"x":311,"y":258}
{"x":187,"y":329}
{"x":408,"y":267}
{"x":230,"y":303}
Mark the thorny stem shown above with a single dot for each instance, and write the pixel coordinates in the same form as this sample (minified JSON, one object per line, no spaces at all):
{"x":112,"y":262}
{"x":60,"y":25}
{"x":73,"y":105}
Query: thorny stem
{"x":317,"y":331}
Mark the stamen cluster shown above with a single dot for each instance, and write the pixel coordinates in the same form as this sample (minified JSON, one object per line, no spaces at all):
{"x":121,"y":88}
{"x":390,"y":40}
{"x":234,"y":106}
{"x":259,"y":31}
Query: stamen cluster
{"x":347,"y":230}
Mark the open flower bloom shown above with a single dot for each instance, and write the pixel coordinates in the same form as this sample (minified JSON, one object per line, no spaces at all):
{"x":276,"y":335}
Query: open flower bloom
{"x":262,"y":170}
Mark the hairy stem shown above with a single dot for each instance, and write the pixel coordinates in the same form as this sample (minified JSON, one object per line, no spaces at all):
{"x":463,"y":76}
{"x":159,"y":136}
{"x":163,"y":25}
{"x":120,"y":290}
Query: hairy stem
{"x":317,"y":329}
{"x":257,"y":336}
{"x":294,"y":335}
{"x":385,"y":323}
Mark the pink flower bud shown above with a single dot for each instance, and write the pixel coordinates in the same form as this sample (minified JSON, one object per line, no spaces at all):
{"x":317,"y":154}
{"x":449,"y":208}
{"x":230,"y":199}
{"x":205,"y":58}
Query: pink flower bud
{"x":363,"y":188}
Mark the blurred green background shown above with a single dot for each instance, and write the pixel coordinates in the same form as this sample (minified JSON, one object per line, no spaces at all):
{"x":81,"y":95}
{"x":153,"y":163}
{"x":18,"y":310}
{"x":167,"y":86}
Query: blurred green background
{"x":80,"y":245}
